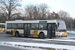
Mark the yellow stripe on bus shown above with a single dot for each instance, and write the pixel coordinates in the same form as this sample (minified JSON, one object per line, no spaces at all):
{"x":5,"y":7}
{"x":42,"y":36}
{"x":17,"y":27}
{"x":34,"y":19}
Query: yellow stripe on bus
{"x":14,"y":31}
{"x":64,"y":34}
{"x":1,"y":30}
{"x":35,"y":33}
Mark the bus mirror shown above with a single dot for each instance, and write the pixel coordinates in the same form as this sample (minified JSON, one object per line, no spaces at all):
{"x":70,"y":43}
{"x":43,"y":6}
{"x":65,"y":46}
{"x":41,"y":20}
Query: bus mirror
{"x":58,"y":24}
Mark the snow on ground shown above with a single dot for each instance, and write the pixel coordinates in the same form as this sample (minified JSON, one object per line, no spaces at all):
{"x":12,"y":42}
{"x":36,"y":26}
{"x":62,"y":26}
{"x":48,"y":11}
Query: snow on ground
{"x":20,"y":47}
{"x":71,"y":32}
{"x":64,"y":40}
{"x":67,"y":39}
{"x":38,"y":45}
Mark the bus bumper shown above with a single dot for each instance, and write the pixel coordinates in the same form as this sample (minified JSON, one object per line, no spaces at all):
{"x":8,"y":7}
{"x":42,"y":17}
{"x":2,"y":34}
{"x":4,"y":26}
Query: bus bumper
{"x":61,"y":34}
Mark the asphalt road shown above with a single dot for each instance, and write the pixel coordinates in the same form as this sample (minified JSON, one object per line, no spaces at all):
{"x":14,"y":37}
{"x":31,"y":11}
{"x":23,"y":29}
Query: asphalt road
{"x":7,"y":37}
{"x":10,"y":38}
{"x":9,"y":48}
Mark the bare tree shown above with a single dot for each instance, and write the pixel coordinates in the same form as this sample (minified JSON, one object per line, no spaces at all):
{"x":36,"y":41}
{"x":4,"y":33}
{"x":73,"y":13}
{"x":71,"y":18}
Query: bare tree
{"x":69,"y":22}
{"x":36,"y":11}
{"x":43,"y":11}
{"x":8,"y":8}
{"x":63,"y":14}
{"x":74,"y":23}
{"x":66,"y":17}
{"x":54,"y":15}
{"x":29,"y":11}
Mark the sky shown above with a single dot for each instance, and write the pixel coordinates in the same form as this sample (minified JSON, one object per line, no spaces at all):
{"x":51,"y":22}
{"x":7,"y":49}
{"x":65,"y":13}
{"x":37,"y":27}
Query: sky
{"x":55,"y":5}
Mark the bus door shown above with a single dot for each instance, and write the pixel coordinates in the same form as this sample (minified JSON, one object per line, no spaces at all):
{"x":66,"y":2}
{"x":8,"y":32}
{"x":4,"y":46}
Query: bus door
{"x":26,"y":29}
{"x":51,"y":30}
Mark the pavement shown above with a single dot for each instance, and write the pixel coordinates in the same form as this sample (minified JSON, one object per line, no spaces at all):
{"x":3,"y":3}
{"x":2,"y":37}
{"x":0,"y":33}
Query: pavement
{"x":9,"y":48}
{"x":2,"y":32}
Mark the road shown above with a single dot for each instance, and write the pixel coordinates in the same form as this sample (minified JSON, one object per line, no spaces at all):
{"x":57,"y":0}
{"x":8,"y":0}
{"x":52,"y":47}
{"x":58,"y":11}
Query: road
{"x":9,"y":48}
{"x":7,"y":37}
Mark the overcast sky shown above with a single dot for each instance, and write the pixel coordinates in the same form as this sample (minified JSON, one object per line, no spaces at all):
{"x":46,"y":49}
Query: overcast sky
{"x":56,"y":5}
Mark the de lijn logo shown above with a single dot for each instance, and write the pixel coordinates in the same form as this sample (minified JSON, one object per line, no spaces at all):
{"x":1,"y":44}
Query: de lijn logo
{"x":34,"y":31}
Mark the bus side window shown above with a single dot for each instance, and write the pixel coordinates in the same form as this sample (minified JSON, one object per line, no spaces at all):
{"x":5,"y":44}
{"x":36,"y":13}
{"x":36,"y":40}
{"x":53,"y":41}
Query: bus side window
{"x":0,"y":26}
{"x":3,"y":26}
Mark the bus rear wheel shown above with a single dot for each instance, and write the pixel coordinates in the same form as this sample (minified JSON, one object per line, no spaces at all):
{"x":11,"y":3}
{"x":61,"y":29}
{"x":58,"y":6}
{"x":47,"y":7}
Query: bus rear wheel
{"x":41,"y":36}
{"x":17,"y":34}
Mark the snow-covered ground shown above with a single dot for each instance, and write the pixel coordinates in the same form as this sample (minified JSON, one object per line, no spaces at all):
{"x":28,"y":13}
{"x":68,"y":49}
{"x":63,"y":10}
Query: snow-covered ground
{"x":71,"y":32}
{"x":38,"y":46}
{"x":17,"y":46}
{"x":64,"y":40}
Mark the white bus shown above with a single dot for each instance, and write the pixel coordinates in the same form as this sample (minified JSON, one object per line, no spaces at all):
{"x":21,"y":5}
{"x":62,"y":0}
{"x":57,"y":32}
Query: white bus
{"x":2,"y":27}
{"x":36,"y":28}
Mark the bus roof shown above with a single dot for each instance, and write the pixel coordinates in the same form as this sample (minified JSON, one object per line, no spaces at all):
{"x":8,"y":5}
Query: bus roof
{"x":2,"y":23}
{"x":32,"y":21}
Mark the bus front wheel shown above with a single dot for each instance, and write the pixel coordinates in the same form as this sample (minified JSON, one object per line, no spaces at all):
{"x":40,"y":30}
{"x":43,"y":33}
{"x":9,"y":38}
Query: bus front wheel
{"x":41,"y":36}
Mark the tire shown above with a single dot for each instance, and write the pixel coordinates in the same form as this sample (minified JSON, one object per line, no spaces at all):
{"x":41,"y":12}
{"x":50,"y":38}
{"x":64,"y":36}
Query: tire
{"x":11,"y":32}
{"x":17,"y":34}
{"x":25,"y":36}
{"x":66,"y":35}
{"x":41,"y":36}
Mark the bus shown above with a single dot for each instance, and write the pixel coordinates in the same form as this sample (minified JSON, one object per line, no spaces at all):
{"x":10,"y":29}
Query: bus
{"x":2,"y":27}
{"x":36,"y":28}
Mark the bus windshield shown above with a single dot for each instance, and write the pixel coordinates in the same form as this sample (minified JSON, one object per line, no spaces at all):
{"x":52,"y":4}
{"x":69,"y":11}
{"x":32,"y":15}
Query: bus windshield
{"x":62,"y":25}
